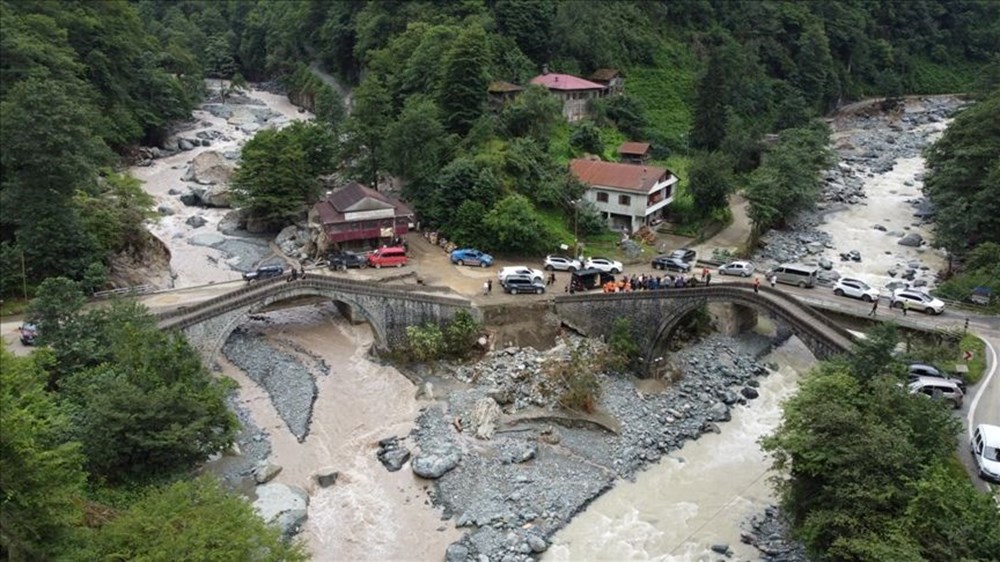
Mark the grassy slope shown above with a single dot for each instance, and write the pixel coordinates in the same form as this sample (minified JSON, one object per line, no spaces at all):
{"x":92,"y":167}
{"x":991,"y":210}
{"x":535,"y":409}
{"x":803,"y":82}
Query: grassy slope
{"x":666,"y":89}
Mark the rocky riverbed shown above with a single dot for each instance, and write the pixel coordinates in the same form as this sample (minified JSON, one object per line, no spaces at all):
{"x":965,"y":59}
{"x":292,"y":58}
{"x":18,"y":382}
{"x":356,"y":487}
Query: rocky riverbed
{"x":872,"y":221}
{"x":505,"y":465}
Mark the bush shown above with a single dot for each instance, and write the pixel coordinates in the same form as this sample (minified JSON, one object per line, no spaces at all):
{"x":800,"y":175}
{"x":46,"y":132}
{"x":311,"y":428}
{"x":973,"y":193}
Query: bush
{"x":425,"y":343}
{"x":576,"y":380}
{"x":455,"y":339}
{"x":623,"y":351}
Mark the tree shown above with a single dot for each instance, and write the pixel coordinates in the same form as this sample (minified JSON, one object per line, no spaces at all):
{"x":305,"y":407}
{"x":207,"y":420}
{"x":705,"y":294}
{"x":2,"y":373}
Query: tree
{"x":623,"y":351}
{"x":709,"y":127}
{"x":152,"y":408}
{"x":586,"y":137}
{"x":514,"y":226}
{"x":416,"y":144}
{"x":533,"y":114}
{"x":41,"y":478}
{"x":55,"y":309}
{"x":365,"y":130}
{"x":626,"y":112}
{"x":277,"y":176}
{"x":464,"y":80}
{"x":711,"y":181}
{"x":463,"y":179}
{"x":192,"y":520}
{"x":814,"y":67}
{"x":529,"y":23}
{"x":964,"y":179}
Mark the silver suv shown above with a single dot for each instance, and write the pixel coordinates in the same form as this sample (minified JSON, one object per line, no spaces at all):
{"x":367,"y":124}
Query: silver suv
{"x":562,"y":263}
{"x":938,"y":389}
{"x":856,"y":289}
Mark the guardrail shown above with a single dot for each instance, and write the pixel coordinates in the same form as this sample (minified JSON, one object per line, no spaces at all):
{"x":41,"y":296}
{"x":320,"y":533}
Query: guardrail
{"x":137,"y":290}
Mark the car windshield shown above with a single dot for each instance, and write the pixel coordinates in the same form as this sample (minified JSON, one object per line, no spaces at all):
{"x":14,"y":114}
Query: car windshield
{"x":992,"y":453}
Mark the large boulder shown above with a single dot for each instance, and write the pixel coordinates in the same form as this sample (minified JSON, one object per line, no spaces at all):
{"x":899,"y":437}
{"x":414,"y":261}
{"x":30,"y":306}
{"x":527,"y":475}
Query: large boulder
{"x":283,"y":505}
{"x":209,"y":168}
{"x":912,"y":239}
{"x":435,"y":463}
{"x":484,"y":417}
{"x":264,"y":472}
{"x":217,"y":196}
{"x":291,"y":239}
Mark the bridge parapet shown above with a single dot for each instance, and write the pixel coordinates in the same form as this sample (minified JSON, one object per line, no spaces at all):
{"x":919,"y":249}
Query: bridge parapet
{"x":388,"y":309}
{"x":656,"y":314}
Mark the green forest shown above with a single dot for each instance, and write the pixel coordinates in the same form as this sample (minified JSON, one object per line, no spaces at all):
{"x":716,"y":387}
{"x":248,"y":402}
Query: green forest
{"x":82,"y":84}
{"x":104,"y":425}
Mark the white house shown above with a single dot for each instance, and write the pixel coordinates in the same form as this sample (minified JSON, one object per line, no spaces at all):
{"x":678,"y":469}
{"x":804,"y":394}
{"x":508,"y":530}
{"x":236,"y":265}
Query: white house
{"x":629,"y":195}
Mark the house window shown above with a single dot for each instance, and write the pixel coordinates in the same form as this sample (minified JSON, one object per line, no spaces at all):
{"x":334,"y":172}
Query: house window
{"x":624,"y":200}
{"x":602,"y":197}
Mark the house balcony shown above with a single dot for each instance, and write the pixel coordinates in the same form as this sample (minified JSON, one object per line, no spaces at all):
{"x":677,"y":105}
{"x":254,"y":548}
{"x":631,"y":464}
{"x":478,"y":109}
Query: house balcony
{"x":658,"y":200}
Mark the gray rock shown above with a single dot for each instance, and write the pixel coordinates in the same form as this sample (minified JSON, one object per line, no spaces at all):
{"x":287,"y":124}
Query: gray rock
{"x":165,"y":210}
{"x":920,"y":283}
{"x":880,"y":227}
{"x":282,"y":504}
{"x":192,"y":199}
{"x":912,"y":240}
{"x":522,"y":451}
{"x":721,"y":548}
{"x":217,"y":196}
{"x":718,"y":412}
{"x":185,"y":144}
{"x":433,"y":464}
{"x":173,"y":191}
{"x":392,"y":454}
{"x":265,"y":472}
{"x":537,"y":544}
{"x":456,"y":552}
{"x":749,"y":392}
{"x":825,"y":263}
{"x":326,"y":477}
{"x":196,"y":221}
{"x":209,"y":168}
{"x":209,"y":239}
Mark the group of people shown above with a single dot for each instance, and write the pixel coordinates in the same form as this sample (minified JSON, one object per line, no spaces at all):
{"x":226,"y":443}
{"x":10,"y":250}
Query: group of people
{"x":296,"y":273}
{"x":644,"y":282}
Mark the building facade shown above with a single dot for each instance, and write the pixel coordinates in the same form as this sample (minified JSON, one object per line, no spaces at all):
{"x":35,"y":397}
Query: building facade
{"x":358,"y":217}
{"x":575,"y":93}
{"x":629,"y":196}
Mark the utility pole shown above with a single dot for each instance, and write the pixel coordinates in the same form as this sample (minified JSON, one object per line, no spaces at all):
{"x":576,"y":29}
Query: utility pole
{"x":24,"y":279}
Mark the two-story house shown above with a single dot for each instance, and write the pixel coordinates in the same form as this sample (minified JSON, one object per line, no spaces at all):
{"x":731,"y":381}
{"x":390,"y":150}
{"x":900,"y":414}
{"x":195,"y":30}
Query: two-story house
{"x":575,"y":93}
{"x":357,"y":216}
{"x":629,"y":195}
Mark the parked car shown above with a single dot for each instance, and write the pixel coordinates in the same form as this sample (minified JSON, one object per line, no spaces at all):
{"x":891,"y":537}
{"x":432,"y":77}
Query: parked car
{"x":797,"y":274}
{"x":264,"y":272}
{"x":388,"y":256}
{"x":741,"y":268}
{"x":938,"y":389}
{"x":683,"y":254}
{"x":29,"y":332}
{"x":985,"y":445}
{"x":522,"y":284}
{"x":562,"y":263}
{"x":604,"y":264}
{"x":534,"y":274}
{"x":343,"y":260}
{"x":856,"y":289}
{"x":916,"y":370}
{"x":670,"y":263}
{"x":470,"y":256}
{"x":917,"y":300}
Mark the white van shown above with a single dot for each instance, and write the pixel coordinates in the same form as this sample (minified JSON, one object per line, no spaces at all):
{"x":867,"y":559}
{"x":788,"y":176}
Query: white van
{"x":985,"y":446}
{"x":796,"y":274}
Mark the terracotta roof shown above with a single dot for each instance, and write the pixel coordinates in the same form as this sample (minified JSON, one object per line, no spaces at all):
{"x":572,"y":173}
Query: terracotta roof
{"x":637,"y":148}
{"x":605,"y":74}
{"x":501,"y":87}
{"x":565,"y":82}
{"x":628,"y":177}
{"x":355,"y":197}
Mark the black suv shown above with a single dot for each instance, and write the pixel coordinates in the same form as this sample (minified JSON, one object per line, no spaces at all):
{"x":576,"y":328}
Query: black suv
{"x":264,"y":272}
{"x":671,"y":263}
{"x":341,"y":261}
{"x":683,"y":254}
{"x":520,"y":284}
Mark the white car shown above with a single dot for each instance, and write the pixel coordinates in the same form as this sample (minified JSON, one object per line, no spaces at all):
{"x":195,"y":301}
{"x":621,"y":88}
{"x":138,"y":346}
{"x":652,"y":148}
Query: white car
{"x":536,"y":275}
{"x":561,"y":263}
{"x":604,"y":264}
{"x":917,"y":300}
{"x":741,"y":268}
{"x":985,"y":446}
{"x":856,"y":289}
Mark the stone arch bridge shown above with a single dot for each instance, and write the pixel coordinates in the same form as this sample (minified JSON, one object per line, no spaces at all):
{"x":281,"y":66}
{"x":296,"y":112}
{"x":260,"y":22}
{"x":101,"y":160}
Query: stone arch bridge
{"x":389,"y":309}
{"x":655,"y":315}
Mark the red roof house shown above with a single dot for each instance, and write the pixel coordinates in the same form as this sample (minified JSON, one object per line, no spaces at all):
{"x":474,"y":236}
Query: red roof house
{"x":628,"y":195}
{"x":356,"y":215}
{"x":574,"y":92}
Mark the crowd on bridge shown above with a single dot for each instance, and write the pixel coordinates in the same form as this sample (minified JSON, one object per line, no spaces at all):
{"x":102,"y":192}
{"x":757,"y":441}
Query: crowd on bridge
{"x":648,"y":282}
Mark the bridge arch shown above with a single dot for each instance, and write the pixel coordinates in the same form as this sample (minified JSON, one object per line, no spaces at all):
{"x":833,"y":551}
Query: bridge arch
{"x":388,"y":309}
{"x":655,"y":314}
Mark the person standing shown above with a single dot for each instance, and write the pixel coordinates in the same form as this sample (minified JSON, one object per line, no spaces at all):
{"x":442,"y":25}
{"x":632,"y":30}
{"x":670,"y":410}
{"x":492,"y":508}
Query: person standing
{"x":874,"y":308}
{"x":486,"y":288}
{"x":773,"y":279}
{"x":906,"y":305}
{"x":708,"y":278}
{"x":756,"y":285}
{"x":489,"y":286}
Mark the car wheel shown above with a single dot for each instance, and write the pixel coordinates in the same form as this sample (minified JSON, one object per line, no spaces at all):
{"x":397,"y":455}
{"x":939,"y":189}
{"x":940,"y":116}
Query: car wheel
{"x":399,"y":264}
{"x":837,"y":292}
{"x":928,"y":310}
{"x":482,"y":264}
{"x":802,"y":284}
{"x":549,"y":268}
{"x":513,"y":291}
{"x":363,"y":266}
{"x":614,"y":271}
{"x":378,"y":266}
{"x":571,"y":269}
{"x":866,"y":298}
{"x":536,"y":279}
{"x":539,"y":291}
{"x":460,"y":262}
{"x":746,"y":274}
{"x":897,"y":305}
